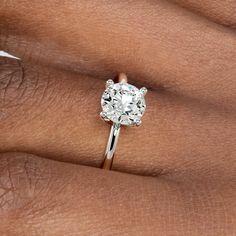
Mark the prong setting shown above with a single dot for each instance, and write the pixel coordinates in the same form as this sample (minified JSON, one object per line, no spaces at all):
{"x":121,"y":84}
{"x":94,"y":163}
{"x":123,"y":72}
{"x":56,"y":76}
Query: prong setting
{"x":103,"y":116}
{"x":123,"y":103}
{"x":109,"y":83}
{"x":122,"y":78}
{"x":138,"y":122}
{"x":143,"y":90}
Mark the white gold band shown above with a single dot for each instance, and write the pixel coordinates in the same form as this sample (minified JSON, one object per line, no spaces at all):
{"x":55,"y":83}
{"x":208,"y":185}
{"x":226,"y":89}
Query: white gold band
{"x":122,"y":104}
{"x":111,"y":146}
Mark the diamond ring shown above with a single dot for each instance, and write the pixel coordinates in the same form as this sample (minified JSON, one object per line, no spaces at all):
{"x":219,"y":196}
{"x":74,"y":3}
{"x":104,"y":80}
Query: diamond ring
{"x":122,"y":104}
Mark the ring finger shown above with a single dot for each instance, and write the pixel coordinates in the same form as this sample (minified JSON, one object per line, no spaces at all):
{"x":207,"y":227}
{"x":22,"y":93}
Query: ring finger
{"x":56,"y":114}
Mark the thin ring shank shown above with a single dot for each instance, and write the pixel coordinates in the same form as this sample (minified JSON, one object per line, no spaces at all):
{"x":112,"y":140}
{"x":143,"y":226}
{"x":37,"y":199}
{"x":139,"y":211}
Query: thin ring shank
{"x":111,"y":146}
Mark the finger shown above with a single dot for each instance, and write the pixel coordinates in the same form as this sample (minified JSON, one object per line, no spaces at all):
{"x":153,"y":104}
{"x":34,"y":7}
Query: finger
{"x":43,"y":197}
{"x":56,"y":115}
{"x":222,"y":12}
{"x":155,"y":43}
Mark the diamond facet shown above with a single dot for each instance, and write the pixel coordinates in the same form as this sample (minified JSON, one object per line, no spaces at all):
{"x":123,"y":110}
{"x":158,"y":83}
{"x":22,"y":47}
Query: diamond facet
{"x":123,"y":103}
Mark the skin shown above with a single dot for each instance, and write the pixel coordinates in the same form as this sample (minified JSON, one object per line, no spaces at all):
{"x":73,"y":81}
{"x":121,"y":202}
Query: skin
{"x":221,"y":12}
{"x":175,"y":175}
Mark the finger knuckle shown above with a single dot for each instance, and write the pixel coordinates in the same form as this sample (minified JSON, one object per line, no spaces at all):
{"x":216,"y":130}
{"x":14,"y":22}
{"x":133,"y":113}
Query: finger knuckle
{"x":19,"y":174}
{"x":23,"y":186}
{"x":21,"y":87}
{"x":11,"y":81}
{"x":15,"y":83}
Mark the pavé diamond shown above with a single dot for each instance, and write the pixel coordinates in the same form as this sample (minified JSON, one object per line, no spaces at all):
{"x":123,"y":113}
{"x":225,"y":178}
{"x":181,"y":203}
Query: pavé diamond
{"x":123,"y":103}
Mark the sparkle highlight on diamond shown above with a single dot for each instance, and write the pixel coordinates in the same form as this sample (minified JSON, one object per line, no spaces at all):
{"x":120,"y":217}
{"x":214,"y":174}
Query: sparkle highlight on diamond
{"x":123,"y":103}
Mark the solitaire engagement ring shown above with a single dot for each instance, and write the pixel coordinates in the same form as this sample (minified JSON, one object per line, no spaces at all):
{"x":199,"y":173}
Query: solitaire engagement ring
{"x":122,"y":104}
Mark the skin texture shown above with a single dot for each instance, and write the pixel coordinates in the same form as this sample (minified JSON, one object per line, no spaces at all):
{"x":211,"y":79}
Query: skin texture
{"x":175,"y":175}
{"x":39,"y":198}
{"x":221,"y":12}
{"x":36,"y":101}
{"x":177,"y":50}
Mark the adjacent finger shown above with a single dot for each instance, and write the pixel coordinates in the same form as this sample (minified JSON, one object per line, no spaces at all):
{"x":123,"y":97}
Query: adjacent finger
{"x":43,"y":197}
{"x":56,"y":114}
{"x":156,"y":43}
{"x":222,"y":12}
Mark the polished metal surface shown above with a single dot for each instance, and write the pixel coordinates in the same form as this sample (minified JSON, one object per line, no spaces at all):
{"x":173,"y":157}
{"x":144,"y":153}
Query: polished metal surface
{"x":131,"y":98}
{"x":111,"y":146}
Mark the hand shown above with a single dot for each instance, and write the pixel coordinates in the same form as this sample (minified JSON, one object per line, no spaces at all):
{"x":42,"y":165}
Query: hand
{"x":50,"y":103}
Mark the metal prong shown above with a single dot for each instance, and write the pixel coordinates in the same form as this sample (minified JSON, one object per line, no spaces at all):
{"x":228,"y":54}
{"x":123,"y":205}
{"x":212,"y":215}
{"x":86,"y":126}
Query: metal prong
{"x":103,"y":116}
{"x":143,"y":90}
{"x":109,"y":83}
{"x":122,"y":78}
{"x":138,"y":123}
